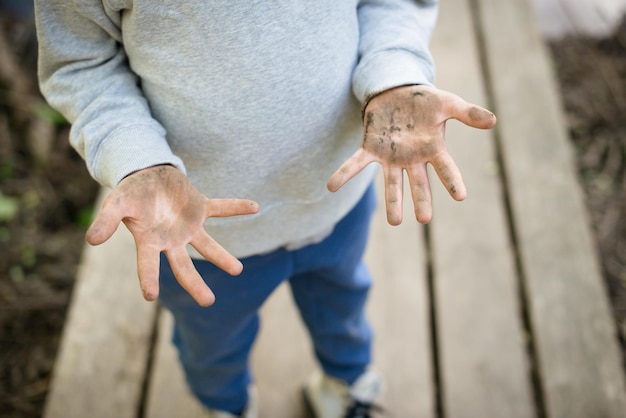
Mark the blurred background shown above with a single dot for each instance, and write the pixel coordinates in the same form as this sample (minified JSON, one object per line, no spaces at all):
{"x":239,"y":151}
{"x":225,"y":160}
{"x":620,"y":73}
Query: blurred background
{"x":47,"y":197}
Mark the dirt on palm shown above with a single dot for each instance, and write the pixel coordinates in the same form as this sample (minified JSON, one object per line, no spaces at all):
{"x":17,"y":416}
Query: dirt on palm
{"x":47,"y":197}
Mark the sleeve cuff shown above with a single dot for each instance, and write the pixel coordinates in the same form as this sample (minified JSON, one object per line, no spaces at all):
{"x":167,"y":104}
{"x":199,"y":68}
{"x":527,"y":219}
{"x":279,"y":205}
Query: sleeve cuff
{"x":128,"y":150}
{"x":388,"y":69}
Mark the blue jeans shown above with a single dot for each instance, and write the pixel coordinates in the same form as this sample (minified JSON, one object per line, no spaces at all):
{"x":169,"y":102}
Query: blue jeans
{"x":329,"y":283}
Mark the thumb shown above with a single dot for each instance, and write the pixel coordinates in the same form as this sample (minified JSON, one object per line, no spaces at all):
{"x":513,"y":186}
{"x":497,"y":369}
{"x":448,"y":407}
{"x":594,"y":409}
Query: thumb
{"x":103,"y":227}
{"x":470,"y":114}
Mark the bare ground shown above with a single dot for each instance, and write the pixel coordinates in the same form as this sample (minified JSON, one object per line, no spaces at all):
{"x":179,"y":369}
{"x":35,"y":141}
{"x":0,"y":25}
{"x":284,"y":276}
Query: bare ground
{"x":46,"y":199}
{"x":592,"y":76}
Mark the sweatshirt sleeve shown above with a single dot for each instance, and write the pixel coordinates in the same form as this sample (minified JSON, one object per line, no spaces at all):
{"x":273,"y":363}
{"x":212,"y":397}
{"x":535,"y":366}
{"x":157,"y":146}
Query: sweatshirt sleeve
{"x":84,"y":73}
{"x":393,"y":45}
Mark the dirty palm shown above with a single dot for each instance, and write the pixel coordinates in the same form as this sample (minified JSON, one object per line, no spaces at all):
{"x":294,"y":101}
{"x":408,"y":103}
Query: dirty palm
{"x":404,"y":130}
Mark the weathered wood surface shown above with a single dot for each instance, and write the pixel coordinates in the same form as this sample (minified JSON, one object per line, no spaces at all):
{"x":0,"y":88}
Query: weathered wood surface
{"x":484,"y":368}
{"x":399,"y":309}
{"x":168,"y":395}
{"x":103,"y":356}
{"x":575,"y":338}
{"x":522,"y":232}
{"x":282,"y":358}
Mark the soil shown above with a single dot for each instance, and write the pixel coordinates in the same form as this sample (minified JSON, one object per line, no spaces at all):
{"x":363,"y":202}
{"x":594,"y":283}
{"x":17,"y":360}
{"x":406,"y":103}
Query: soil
{"x":47,"y":197}
{"x":592,"y":77}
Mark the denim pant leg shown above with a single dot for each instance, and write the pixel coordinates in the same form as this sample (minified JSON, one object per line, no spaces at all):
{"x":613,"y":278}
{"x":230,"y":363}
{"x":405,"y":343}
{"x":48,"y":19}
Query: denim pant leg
{"x":214,"y":343}
{"x":330,"y":288}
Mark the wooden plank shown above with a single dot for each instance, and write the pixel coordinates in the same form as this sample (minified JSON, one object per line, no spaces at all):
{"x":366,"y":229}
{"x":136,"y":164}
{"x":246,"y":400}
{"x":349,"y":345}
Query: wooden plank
{"x":400,"y":312}
{"x":574,"y":334}
{"x":282,"y":358}
{"x":103,"y":355}
{"x":484,"y":368}
{"x":168,"y":395}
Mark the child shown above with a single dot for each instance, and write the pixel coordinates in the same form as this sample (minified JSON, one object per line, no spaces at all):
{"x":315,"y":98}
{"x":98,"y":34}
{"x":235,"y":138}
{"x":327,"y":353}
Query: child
{"x":171,"y":102}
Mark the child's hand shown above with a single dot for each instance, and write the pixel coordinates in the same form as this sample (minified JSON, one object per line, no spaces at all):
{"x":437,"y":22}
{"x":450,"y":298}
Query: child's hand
{"x":164,"y":212}
{"x":404,"y":130}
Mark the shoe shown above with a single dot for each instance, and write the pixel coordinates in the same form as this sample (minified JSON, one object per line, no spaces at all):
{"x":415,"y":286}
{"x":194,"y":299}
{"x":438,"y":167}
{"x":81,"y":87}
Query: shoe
{"x":251,"y":411}
{"x":328,"y":397}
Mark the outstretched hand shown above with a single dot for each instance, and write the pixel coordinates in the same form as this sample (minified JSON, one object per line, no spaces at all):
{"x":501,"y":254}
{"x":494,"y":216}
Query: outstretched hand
{"x":405,"y":130}
{"x":164,"y":213}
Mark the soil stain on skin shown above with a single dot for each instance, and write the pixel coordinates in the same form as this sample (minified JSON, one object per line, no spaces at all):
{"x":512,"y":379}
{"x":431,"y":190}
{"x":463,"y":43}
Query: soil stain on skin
{"x":369,"y":121}
{"x":476,"y":114}
{"x":395,"y":123}
{"x":394,"y":148}
{"x":480,"y":115}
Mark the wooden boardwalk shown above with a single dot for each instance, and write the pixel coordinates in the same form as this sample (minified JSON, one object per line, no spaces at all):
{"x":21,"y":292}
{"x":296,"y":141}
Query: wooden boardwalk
{"x":496,"y":309}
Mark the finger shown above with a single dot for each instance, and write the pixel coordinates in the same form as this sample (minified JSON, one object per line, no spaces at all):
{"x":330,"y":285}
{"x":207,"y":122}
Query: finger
{"x":216,"y":254}
{"x":420,"y":190}
{"x":393,"y":194}
{"x":230,"y":207}
{"x":105,"y":224}
{"x":350,"y":168}
{"x":148,"y":270}
{"x":450,"y":175}
{"x":468,"y":113}
{"x":189,"y":278}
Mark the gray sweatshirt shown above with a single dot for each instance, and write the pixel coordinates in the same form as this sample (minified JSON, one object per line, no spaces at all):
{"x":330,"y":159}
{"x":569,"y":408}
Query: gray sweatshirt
{"x":252,"y":99}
